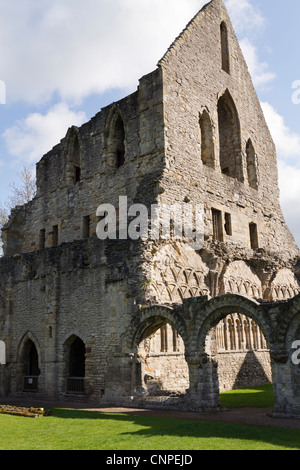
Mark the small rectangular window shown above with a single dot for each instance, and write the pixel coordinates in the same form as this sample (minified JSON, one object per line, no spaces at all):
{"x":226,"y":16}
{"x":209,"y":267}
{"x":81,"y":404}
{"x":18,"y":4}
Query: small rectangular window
{"x":55,"y":235}
{"x":86,"y":227}
{"x":217,"y":225}
{"x":77,"y":174}
{"x":253,"y":236}
{"x":227,"y":226}
{"x":42,"y":239}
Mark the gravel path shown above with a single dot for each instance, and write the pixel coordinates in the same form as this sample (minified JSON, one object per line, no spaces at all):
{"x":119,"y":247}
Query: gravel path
{"x":251,"y":416}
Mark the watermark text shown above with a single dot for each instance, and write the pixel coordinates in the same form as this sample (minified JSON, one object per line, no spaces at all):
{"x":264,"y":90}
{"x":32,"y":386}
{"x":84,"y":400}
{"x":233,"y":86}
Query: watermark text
{"x":296,"y":94}
{"x":161,"y":222}
{"x":296,"y":354}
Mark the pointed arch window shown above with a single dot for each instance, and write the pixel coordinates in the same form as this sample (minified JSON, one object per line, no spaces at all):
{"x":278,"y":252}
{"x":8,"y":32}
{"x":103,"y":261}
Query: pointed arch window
{"x":31,"y":369}
{"x":76,"y":365}
{"x":116,"y":142}
{"x":229,"y":138}
{"x":207,"y":147}
{"x":251,"y":165}
{"x":73,"y":153}
{"x":224,"y":48}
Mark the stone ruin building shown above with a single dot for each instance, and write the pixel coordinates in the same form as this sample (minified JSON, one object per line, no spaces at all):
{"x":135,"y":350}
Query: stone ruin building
{"x":156,"y":322}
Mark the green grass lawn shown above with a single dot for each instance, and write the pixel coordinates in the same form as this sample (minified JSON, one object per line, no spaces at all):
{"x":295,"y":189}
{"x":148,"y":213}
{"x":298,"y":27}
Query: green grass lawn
{"x":69,"y":429}
{"x":255,"y":397}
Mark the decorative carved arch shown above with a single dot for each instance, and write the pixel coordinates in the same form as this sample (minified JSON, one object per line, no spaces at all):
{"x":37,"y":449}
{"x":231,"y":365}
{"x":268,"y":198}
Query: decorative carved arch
{"x":284,"y":285}
{"x":218,"y":308}
{"x":148,"y":321}
{"x":240,"y":278}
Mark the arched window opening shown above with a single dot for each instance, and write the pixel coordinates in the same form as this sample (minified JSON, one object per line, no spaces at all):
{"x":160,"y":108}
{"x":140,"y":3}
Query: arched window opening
{"x":207,"y":146}
{"x":229,"y":138}
{"x":73,"y":155}
{"x":118,"y":141}
{"x":31,"y":369}
{"x":240,"y":350}
{"x":76,"y":160}
{"x":76,"y":366}
{"x":224,"y":48}
{"x":251,"y":165}
{"x":162,"y":368}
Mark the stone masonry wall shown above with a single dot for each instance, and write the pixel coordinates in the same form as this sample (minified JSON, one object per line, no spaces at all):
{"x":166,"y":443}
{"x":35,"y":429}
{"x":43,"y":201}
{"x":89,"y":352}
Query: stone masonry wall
{"x":161,"y":144}
{"x":50,"y":295}
{"x":243,"y":369}
{"x":193,"y":82}
{"x":64,"y":203}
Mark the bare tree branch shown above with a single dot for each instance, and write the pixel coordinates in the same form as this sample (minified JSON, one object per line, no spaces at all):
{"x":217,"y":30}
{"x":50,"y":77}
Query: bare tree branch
{"x":20,"y":194}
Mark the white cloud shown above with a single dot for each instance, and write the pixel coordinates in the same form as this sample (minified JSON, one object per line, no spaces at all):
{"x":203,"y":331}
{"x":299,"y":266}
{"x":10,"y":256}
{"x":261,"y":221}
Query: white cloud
{"x":288,"y":153}
{"x":29,"y":139}
{"x":76,"y":48}
{"x":289,"y":178}
{"x":244,"y":16}
{"x":247,"y":21}
{"x":259,"y":70}
{"x":286,"y":141}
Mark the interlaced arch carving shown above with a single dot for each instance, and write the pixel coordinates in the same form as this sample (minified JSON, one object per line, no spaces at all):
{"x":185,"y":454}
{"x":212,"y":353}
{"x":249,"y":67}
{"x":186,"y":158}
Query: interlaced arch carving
{"x":177,"y":275}
{"x":240,"y":278}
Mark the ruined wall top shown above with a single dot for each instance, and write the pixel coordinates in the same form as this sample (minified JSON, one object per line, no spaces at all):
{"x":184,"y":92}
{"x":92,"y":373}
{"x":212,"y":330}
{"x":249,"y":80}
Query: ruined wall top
{"x":193,"y":131}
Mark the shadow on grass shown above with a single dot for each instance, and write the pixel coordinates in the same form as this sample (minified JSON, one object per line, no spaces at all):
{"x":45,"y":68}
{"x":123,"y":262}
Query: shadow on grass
{"x":160,"y":432}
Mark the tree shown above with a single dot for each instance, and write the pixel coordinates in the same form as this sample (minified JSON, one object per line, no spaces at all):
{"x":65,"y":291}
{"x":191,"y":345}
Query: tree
{"x":20,"y":194}
{"x":24,"y":191}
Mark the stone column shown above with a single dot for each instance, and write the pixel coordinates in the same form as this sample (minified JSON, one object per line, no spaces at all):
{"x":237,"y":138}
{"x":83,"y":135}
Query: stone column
{"x":118,"y":380}
{"x":203,"y":394}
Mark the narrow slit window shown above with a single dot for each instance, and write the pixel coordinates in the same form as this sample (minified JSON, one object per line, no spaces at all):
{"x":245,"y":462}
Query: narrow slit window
{"x":217,"y":225}
{"x":251,"y":165}
{"x":119,"y":136}
{"x":164,"y":338}
{"x":227,"y":226}
{"x":55,"y":235}
{"x":207,"y":148}
{"x":224,"y":48}
{"x":77,"y":174}
{"x":42,"y":239}
{"x":253,"y":236}
{"x":86,"y":227}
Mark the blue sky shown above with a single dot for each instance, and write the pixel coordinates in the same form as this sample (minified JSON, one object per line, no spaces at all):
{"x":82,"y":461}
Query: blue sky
{"x":63,"y":60}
